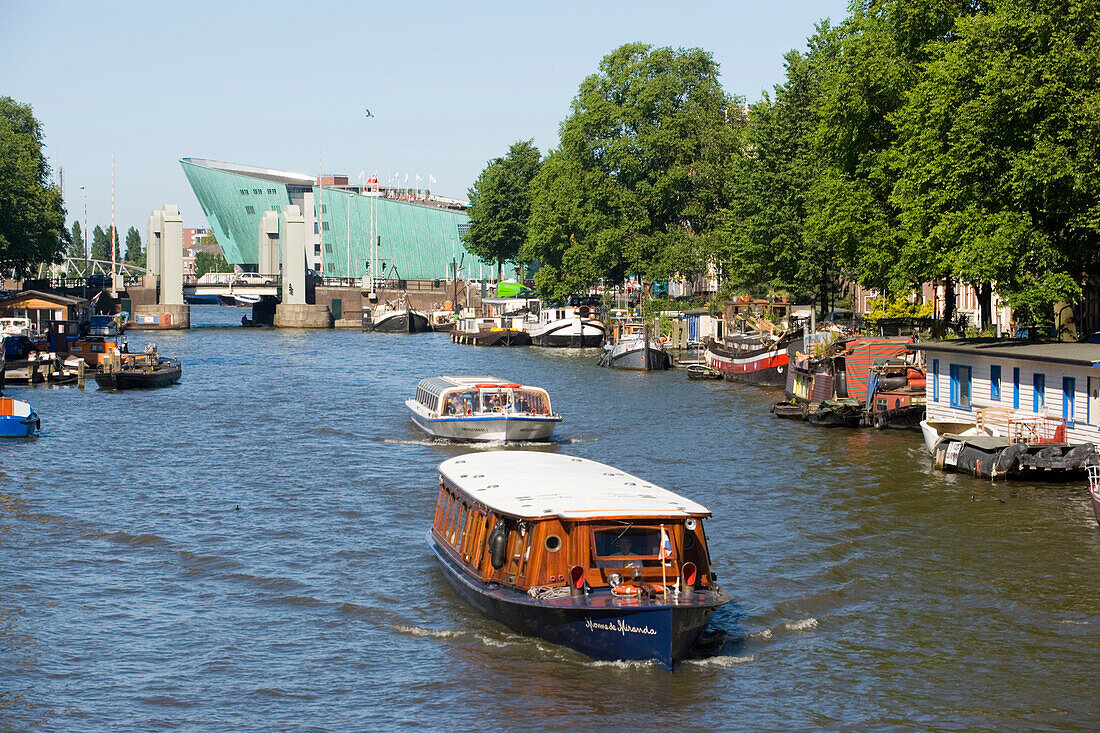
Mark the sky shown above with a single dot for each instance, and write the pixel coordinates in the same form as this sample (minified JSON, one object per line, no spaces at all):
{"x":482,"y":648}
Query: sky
{"x":286,"y":85}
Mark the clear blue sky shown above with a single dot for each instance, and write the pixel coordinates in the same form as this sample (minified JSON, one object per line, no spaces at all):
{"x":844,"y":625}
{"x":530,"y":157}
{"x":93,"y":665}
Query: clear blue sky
{"x":285,"y":85}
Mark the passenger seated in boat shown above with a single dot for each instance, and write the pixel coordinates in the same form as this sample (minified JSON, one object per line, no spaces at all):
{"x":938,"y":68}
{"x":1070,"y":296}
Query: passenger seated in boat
{"x":450,"y":405}
{"x":625,"y":546}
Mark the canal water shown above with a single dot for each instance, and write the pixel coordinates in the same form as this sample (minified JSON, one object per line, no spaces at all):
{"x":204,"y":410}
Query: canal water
{"x":246,"y":551}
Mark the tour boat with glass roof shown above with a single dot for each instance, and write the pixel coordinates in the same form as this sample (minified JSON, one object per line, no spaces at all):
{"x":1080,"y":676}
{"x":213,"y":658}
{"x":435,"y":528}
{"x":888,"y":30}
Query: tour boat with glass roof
{"x":482,"y":408}
{"x":576,"y":552}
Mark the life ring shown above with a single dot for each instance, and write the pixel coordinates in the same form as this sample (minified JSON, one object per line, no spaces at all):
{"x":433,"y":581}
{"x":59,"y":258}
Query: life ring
{"x":469,"y":411}
{"x":626,"y":588}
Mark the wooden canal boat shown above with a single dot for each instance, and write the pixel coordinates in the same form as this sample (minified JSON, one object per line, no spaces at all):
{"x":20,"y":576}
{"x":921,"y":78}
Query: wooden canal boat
{"x":138,"y":371}
{"x":482,"y":408}
{"x":577,"y":553}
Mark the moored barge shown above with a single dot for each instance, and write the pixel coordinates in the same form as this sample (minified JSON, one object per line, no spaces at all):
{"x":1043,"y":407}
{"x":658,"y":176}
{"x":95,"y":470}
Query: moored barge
{"x":577,"y":553}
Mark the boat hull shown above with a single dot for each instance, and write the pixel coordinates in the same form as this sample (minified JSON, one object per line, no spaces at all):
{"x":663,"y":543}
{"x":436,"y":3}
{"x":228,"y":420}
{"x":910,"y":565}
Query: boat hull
{"x":596,"y":624}
{"x":635,"y":357}
{"x":399,"y":322}
{"x":569,"y":333}
{"x":934,"y":430}
{"x":992,"y":457}
{"x":161,"y":377}
{"x":15,"y":426}
{"x":765,"y":366}
{"x":488,"y":427}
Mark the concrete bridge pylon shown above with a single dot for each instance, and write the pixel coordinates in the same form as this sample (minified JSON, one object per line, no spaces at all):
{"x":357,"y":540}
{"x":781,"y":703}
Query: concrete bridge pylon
{"x":164,"y":255}
{"x":293,"y":311}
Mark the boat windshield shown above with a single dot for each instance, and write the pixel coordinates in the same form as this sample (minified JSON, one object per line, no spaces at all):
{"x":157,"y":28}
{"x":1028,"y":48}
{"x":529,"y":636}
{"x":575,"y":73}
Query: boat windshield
{"x":496,"y":400}
{"x":631,"y":542}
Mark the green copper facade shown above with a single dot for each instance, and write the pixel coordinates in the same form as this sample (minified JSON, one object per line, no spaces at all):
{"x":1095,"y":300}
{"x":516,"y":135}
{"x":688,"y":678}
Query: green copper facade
{"x":415,"y":241}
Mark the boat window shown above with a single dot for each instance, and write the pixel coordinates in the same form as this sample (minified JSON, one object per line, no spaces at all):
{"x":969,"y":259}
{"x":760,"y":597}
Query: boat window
{"x":533,"y":401}
{"x":553,"y":543}
{"x":470,"y":401}
{"x":460,"y":528}
{"x":1039,"y":392}
{"x":627,"y":542}
{"x":960,"y":386}
{"x":495,"y":400}
{"x":995,"y":382}
{"x":526,"y":553}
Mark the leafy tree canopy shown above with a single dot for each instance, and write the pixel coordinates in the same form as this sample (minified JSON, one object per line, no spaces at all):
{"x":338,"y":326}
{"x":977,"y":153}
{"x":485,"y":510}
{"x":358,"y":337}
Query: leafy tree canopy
{"x":210,"y":262}
{"x":641,"y":175}
{"x":32,"y":215}
{"x":500,"y":204}
{"x":76,"y":243}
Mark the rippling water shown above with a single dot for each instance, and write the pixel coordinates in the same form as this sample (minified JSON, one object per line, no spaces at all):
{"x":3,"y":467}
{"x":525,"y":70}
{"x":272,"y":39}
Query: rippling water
{"x":245,"y":551}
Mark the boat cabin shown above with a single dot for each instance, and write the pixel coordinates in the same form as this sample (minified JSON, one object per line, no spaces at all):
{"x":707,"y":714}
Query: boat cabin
{"x":1039,"y":392}
{"x":532,"y":520}
{"x":444,"y":396}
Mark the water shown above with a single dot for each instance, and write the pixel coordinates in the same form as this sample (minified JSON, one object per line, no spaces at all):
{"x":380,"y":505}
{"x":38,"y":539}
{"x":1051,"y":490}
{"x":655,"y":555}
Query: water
{"x":245,"y":551}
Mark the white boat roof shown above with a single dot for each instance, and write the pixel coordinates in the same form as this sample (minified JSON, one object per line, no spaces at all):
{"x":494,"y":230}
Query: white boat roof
{"x":444,"y":382}
{"x":537,"y":485}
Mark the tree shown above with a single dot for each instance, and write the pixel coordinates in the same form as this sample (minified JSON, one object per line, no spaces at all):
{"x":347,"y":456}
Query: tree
{"x":868,"y":65}
{"x":765,"y":245}
{"x":210,"y":262}
{"x":641,"y":173}
{"x":32,"y":214}
{"x":76,"y":243}
{"x":134,"y":252}
{"x":1000,"y":151}
{"x":500,"y":205}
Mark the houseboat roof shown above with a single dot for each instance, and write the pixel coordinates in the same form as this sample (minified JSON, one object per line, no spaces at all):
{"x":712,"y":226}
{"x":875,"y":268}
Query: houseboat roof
{"x":1079,"y":354}
{"x":537,"y":485}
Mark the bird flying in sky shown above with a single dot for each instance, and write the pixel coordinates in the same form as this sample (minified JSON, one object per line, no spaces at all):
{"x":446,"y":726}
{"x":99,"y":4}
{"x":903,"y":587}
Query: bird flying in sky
{"x":369,"y":113}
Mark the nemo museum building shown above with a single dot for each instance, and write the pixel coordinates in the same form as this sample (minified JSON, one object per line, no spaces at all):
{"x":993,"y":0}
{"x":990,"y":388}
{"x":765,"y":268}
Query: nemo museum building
{"x":417,"y":236}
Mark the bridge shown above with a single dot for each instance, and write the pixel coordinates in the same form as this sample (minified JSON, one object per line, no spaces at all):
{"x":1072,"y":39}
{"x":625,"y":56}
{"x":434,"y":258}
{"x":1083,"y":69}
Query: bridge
{"x":230,"y":288}
{"x":92,"y":272}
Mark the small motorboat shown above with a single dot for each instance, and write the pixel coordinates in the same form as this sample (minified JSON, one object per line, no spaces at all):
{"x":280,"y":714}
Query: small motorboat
{"x":482,"y":408}
{"x":701,"y":371}
{"x":576,"y":552}
{"x":934,"y":431}
{"x":18,"y":419}
{"x":138,"y":371}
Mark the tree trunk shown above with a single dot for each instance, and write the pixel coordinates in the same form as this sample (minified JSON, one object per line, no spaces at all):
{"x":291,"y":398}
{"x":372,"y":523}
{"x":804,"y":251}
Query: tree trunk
{"x":985,"y":304}
{"x":948,"y":300}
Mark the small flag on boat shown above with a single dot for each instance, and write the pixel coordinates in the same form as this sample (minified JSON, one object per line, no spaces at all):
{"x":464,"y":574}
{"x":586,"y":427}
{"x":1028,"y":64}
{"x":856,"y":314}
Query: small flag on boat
{"x":666,"y":546}
{"x":93,"y":301}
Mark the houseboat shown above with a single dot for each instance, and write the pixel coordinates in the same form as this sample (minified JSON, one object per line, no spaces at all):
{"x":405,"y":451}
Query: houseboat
{"x":861,"y":381}
{"x":1034,"y":406}
{"x":577,"y":553}
{"x":567,"y":325}
{"x":758,"y":354}
{"x":482,"y":408}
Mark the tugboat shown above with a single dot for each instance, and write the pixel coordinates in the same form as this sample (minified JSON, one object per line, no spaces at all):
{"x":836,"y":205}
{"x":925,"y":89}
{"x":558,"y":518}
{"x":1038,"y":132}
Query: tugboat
{"x":482,"y":408}
{"x":577,"y":553}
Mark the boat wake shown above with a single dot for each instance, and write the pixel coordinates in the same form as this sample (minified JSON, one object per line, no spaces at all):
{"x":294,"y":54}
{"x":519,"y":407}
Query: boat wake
{"x":719,"y":661}
{"x":804,"y":625}
{"x":420,"y":631}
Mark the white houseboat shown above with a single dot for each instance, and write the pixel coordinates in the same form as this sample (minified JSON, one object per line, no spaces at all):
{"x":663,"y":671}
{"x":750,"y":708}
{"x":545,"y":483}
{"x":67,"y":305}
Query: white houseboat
{"x":567,"y":325}
{"x":482,"y":408}
{"x":1013,"y":407}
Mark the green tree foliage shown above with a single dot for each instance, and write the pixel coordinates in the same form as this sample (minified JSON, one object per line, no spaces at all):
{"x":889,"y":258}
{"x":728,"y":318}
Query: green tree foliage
{"x":1000,"y":152}
{"x":210,"y":262}
{"x":641,"y":174}
{"x":101,"y":244}
{"x":500,"y":205}
{"x":32,"y":214}
{"x":868,"y":65}
{"x":76,"y":243}
{"x":134,"y":253}
{"x":765,"y":246}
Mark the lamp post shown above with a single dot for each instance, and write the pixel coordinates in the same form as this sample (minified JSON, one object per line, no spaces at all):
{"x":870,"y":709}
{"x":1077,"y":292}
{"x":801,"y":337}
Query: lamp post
{"x":84,"y":235}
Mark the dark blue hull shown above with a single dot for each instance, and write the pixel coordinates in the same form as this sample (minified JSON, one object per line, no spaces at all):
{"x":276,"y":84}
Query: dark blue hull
{"x":596,"y":624}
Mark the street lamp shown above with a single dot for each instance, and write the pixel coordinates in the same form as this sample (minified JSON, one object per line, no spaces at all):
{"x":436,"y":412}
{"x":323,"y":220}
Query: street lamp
{"x":84,"y":234}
